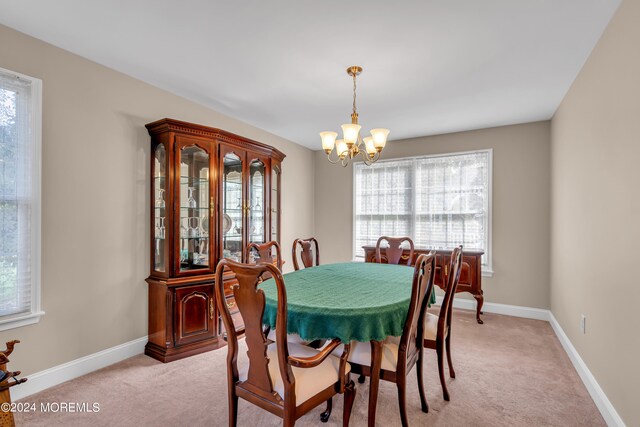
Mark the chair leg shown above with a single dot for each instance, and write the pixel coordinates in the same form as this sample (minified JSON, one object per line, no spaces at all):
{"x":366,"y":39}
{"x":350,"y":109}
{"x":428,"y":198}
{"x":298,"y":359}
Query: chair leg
{"x":233,"y":409}
{"x":349,"y":397}
{"x":402,"y":401}
{"x":452,"y":373}
{"x":288,"y":420}
{"x":324,"y":417}
{"x":361,"y":379}
{"x":419,"y":370}
{"x":439,"y":352}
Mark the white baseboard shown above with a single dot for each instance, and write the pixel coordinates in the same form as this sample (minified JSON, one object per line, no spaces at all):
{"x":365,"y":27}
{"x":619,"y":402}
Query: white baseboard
{"x":609,"y":413}
{"x":84,"y":365}
{"x":507,"y":310}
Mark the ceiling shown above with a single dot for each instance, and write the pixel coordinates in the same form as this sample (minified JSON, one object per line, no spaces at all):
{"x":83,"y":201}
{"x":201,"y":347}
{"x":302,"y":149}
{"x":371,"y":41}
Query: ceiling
{"x":430,"y":67}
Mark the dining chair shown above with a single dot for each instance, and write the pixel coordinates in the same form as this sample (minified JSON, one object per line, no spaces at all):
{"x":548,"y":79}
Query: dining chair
{"x":283,"y":378}
{"x":393,"y":252}
{"x":437,"y":329}
{"x":263,"y":252}
{"x":400,"y":354}
{"x":306,"y":252}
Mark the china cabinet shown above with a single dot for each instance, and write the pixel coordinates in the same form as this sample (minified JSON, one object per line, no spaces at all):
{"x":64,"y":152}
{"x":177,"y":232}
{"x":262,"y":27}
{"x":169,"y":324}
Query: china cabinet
{"x":212,"y":192}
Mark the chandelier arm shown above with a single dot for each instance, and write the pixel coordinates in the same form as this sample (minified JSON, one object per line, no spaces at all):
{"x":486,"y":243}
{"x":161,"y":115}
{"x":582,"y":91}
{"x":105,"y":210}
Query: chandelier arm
{"x":332,"y":161}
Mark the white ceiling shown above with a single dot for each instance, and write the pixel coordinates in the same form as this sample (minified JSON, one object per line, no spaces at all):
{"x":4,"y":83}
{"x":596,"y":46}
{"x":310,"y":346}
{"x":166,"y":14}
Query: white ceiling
{"x":430,"y":66}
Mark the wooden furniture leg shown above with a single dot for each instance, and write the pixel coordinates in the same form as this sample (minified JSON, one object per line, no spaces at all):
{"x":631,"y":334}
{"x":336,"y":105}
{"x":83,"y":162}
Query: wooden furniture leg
{"x":479,"y":302}
{"x":376,"y":362}
{"x":349,"y":397}
{"x":324,"y":417}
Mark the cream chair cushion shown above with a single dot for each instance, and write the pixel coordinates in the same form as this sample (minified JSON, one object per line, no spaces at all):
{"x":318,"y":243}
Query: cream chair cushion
{"x":430,"y":327}
{"x":292,"y":338}
{"x":309,"y":381}
{"x":361,"y":354}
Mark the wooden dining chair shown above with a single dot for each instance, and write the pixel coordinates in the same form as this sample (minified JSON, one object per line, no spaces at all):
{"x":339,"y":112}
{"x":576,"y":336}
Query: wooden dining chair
{"x":283,"y":378}
{"x":399,"y":355}
{"x":263,"y":252}
{"x":306,"y":252}
{"x":437,"y":329}
{"x":393,"y":252}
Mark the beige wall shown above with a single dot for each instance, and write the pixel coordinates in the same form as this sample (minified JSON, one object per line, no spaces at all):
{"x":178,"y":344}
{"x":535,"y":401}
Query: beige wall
{"x":520,"y":206}
{"x":95,"y":184}
{"x":595,"y":209}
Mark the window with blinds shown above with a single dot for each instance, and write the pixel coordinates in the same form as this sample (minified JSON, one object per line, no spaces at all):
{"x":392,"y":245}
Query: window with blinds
{"x":439,"y":201}
{"x":20,"y":101}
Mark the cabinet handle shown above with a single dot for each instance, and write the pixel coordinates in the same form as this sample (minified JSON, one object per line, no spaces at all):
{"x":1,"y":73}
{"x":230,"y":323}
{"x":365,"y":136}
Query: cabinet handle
{"x":211,"y":308}
{"x":230,"y":305}
{"x":446,"y":270}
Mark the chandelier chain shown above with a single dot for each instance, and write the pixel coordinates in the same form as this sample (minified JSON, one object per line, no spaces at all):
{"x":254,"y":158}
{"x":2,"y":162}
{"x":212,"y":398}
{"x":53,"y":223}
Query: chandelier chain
{"x":354,"y":93}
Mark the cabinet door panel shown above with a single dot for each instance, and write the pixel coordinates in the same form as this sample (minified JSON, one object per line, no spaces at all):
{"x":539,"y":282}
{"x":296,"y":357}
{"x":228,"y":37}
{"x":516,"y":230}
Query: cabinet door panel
{"x":193,"y":206}
{"x":257,"y":200}
{"x":274,"y":208}
{"x":195,"y":313}
{"x":468,"y":279}
{"x":233,"y":202}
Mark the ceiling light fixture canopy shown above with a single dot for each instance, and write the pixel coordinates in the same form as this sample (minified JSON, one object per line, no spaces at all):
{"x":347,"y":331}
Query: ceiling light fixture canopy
{"x":352,"y":143}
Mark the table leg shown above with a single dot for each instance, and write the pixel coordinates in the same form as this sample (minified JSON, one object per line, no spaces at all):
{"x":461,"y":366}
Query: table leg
{"x":376,"y":362}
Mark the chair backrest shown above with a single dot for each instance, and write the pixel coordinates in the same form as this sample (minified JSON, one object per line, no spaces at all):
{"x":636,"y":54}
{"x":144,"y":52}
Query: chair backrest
{"x":306,"y":252}
{"x":455,"y":267}
{"x":250,"y":301}
{"x":256,"y":253}
{"x":423,"y":275}
{"x":393,"y":253}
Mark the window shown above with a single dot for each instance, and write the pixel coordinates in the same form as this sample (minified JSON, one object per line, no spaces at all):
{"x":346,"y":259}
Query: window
{"x":439,"y":201}
{"x":20,"y":147}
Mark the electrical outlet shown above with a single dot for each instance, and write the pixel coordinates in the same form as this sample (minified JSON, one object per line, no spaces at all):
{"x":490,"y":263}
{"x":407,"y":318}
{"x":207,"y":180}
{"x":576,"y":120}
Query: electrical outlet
{"x":583,"y":323}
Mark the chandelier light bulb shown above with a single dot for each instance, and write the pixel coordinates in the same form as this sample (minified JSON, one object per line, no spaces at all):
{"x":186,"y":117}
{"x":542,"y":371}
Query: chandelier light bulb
{"x":370,"y":147}
{"x":379,"y":137}
{"x":350,"y":133}
{"x":341,"y":148}
{"x":328,"y":140}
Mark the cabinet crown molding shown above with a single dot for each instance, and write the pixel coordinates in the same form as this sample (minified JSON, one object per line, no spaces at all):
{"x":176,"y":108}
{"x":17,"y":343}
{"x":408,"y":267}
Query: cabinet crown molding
{"x":178,"y":126}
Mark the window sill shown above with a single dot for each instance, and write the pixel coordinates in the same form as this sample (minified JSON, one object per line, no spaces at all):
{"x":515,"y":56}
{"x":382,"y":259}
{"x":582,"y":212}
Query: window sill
{"x":487,"y":273}
{"x":20,"y":320}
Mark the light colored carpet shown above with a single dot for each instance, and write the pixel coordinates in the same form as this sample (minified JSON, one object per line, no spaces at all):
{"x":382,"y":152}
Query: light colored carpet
{"x":510,"y":372}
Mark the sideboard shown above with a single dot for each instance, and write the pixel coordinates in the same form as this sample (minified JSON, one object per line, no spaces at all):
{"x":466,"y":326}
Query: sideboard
{"x":470,"y":276}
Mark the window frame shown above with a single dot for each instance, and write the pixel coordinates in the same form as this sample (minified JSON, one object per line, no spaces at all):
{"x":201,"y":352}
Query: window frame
{"x":487,"y":268}
{"x":35,"y":313}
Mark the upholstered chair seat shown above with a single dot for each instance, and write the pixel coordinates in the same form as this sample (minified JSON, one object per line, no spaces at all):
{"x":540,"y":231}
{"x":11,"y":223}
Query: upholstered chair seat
{"x":309,"y":381}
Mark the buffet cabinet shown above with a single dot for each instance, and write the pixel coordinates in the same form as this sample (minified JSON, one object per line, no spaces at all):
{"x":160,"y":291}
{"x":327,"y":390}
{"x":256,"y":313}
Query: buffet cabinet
{"x":470,"y":274}
{"x":212,"y":192}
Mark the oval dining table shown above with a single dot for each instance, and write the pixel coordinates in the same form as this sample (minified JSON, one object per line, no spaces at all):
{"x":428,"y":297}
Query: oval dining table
{"x":352,"y":301}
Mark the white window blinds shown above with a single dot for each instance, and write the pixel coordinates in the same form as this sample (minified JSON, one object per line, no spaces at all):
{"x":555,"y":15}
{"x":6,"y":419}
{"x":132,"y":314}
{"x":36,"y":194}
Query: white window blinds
{"x":438,"y":201}
{"x":19,"y":195}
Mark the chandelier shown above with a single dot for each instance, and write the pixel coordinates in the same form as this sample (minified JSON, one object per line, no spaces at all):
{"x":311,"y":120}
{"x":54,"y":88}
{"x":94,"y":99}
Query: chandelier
{"x":352,"y":143}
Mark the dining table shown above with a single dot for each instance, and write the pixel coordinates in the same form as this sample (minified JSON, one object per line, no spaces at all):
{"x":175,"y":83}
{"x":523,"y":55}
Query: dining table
{"x":353,"y":301}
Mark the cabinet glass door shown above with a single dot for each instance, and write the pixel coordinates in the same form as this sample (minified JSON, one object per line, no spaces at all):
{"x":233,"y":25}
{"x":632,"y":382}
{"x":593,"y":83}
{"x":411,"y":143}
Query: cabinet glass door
{"x":275,"y":204}
{"x":194,"y":209}
{"x":256,"y":201}
{"x":159,"y":191}
{"x":233,"y":207}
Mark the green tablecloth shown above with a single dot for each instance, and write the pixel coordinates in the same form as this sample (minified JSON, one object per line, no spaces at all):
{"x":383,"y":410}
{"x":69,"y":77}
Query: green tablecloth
{"x":350,"y":301}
